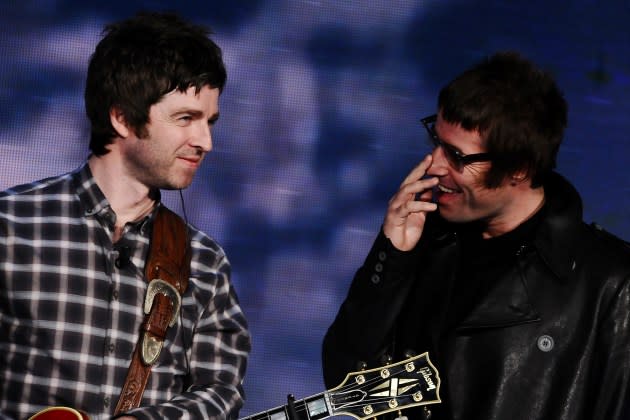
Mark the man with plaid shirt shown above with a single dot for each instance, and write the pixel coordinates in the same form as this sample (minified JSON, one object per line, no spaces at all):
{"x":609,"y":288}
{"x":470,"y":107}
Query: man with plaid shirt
{"x":73,"y":248}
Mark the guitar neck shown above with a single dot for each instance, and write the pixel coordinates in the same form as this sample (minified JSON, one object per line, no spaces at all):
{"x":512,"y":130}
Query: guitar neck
{"x":316,"y":407}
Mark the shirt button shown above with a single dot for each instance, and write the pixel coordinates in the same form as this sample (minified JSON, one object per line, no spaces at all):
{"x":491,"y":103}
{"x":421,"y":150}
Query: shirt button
{"x":376,"y":279}
{"x":106,"y":402}
{"x":382,"y":255}
{"x":378,"y":267}
{"x":115,"y":295}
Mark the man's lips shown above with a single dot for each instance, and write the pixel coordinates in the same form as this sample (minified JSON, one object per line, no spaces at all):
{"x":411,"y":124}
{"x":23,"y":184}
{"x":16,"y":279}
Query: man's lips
{"x":445,"y":189}
{"x":191,"y":158}
{"x":444,"y":195}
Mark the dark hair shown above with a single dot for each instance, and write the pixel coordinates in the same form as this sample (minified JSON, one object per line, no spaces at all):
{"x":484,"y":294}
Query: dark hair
{"x":137,"y":62}
{"x":517,"y":108}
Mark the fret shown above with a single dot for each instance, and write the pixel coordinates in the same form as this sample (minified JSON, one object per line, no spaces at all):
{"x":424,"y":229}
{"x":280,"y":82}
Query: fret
{"x":312,"y":408}
{"x":317,"y":407}
{"x":278,"y":413}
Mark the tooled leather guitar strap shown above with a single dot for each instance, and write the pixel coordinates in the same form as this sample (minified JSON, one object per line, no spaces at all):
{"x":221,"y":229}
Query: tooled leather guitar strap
{"x":167,"y":270}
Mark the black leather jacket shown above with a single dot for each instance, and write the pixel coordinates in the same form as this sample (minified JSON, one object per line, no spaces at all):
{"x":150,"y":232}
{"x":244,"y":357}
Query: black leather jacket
{"x":550,"y":340}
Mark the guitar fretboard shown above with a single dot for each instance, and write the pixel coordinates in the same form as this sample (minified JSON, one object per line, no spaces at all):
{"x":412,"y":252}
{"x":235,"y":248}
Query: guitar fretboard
{"x":312,"y":408}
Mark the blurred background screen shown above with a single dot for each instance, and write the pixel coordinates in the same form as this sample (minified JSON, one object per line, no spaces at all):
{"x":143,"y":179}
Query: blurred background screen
{"x":319,"y":125}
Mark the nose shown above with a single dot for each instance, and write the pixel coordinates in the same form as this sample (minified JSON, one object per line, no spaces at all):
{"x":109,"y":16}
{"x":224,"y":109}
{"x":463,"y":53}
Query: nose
{"x":203,"y":138}
{"x":439,"y":164}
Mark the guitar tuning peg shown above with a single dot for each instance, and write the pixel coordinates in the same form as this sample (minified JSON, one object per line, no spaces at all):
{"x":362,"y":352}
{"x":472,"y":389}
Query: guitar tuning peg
{"x":400,"y":416}
{"x":361,"y":365}
{"x":427,"y":413}
{"x":409,"y":353}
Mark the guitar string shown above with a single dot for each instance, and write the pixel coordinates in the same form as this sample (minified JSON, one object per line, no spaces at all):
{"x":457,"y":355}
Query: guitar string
{"x":350,"y":387}
{"x":351,"y":405}
{"x":374,"y":400}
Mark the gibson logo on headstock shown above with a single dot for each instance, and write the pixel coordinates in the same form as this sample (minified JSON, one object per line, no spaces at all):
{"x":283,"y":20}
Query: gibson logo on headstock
{"x":426,"y":374}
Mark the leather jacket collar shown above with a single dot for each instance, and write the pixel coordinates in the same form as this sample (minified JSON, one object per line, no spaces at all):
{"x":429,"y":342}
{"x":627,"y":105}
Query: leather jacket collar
{"x":556,"y":238}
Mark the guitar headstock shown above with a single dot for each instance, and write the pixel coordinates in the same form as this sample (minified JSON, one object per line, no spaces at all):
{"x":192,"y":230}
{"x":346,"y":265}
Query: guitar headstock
{"x":368,"y":393}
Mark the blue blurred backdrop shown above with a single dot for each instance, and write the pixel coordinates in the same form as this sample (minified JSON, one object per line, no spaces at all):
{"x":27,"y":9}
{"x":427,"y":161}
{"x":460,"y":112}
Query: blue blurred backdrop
{"x":319,"y":125}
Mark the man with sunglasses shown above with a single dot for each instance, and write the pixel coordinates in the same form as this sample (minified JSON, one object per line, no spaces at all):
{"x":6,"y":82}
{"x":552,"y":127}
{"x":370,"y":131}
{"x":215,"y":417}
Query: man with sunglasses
{"x":483,"y":260}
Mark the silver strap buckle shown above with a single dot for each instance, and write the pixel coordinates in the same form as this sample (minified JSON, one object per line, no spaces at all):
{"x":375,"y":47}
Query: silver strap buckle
{"x":151,"y":347}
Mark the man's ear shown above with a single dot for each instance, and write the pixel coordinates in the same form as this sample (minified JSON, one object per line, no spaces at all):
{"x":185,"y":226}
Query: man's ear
{"x":117,"y":120}
{"x":519,"y":176}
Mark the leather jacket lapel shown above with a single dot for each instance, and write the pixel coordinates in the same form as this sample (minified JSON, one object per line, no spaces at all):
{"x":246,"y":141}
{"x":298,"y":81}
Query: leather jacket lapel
{"x":506,"y":304}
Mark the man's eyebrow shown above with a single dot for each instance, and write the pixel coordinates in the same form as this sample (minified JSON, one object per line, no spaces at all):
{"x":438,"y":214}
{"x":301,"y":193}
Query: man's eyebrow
{"x":191,"y":111}
{"x":446,"y":144}
{"x":196,"y":114}
{"x":450,"y":146}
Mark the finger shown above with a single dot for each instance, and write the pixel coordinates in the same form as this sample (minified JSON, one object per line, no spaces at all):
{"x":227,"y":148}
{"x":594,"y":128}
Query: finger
{"x":401,"y":209}
{"x":419,"y":171}
{"x":420,"y":207}
{"x":420,"y":188}
{"x":407,"y":217}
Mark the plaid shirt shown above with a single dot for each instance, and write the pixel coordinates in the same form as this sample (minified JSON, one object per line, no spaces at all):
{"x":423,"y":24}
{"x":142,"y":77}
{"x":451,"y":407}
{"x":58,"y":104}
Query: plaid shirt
{"x":70,"y":317}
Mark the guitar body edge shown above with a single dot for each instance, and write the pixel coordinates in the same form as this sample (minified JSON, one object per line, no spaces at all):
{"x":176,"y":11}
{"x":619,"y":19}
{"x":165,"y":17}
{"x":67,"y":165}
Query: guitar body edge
{"x":59,"y":413}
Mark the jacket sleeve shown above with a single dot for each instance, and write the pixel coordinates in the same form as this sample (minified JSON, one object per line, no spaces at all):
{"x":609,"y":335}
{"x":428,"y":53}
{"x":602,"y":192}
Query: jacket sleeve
{"x":613,"y":400}
{"x":218,"y":356}
{"x":364,"y":325}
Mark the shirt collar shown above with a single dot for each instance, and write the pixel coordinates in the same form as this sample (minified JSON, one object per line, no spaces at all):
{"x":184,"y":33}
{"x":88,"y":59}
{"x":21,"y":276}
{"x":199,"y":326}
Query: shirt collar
{"x":93,"y":201}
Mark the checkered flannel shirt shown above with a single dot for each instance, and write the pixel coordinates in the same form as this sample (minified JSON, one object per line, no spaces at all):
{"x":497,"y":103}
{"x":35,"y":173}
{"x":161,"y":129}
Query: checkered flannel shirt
{"x":70,"y":318}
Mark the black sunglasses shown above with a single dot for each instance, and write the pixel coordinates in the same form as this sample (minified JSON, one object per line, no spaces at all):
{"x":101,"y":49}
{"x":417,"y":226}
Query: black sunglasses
{"x":456,"y":158}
